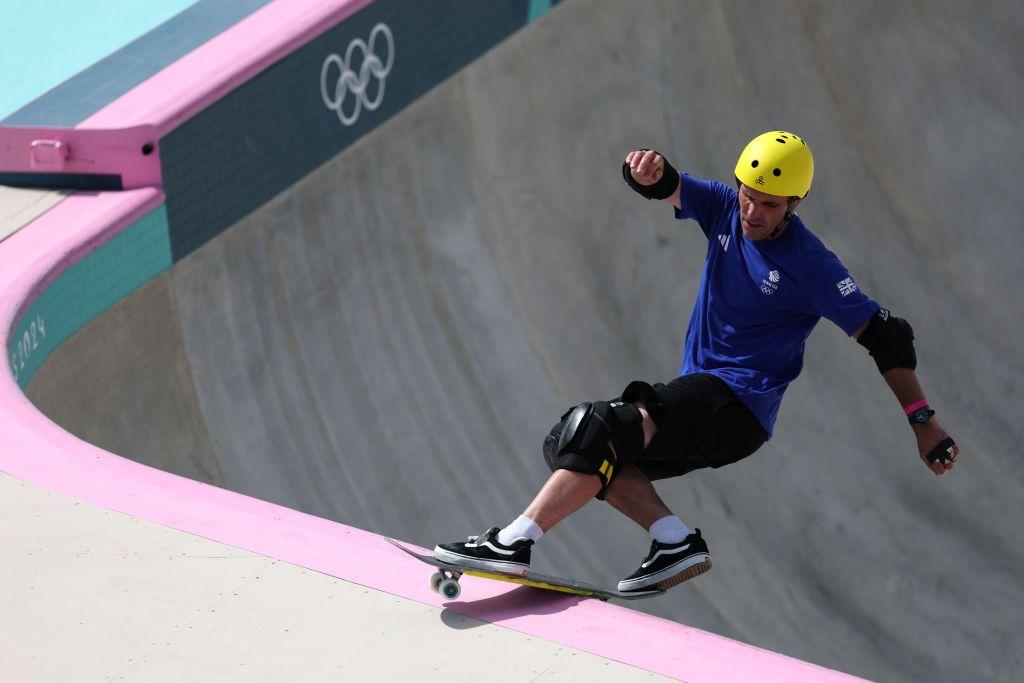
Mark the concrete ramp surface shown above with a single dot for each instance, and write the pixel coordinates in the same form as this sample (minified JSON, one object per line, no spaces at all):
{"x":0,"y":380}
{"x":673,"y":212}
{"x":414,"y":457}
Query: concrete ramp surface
{"x":387,"y":342}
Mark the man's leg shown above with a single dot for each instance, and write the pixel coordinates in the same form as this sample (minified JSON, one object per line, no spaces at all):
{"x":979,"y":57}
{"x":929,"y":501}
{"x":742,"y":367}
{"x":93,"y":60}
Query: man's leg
{"x":567,"y":491}
{"x":677,"y":553}
{"x":633,"y":494}
{"x":564,"y":493}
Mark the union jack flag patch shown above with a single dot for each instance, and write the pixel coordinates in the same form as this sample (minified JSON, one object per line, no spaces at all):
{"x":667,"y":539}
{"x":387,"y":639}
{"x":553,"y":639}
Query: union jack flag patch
{"x":847,"y":286}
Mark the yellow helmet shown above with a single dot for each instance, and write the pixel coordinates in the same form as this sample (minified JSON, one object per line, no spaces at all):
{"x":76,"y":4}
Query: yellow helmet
{"x":778,"y":163}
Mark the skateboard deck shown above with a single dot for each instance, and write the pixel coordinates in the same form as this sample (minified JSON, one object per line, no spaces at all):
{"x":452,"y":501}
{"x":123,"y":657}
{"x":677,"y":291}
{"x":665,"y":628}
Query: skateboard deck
{"x":446,"y":580}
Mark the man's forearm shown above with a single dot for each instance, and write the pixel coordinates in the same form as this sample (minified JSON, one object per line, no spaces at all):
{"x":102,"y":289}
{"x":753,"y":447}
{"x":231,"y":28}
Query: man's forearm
{"x":906,"y":388}
{"x":931,"y":437}
{"x":904,"y":385}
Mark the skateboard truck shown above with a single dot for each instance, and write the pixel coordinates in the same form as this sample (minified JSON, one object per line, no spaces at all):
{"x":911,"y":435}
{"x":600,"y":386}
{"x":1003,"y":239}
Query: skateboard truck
{"x":446,"y":582}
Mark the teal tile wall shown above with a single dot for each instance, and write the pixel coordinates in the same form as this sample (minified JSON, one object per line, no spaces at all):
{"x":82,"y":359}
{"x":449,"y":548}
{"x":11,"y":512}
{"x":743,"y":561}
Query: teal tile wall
{"x":105,"y":276}
{"x":266,"y":135}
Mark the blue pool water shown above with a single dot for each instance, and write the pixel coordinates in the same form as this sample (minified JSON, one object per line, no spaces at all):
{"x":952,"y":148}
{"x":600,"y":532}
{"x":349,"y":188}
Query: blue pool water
{"x":43,"y":44}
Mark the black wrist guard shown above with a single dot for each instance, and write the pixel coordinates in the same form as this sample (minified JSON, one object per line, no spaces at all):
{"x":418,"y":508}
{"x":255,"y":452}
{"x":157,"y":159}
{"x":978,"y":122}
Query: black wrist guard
{"x":944,"y":452}
{"x":890,"y":341}
{"x":663,"y":189}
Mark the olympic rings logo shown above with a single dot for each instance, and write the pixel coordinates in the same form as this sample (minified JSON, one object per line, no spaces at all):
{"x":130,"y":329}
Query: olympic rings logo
{"x":356,"y":84}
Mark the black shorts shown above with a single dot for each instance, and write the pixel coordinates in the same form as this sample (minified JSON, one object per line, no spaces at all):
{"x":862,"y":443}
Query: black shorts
{"x":701,"y":423}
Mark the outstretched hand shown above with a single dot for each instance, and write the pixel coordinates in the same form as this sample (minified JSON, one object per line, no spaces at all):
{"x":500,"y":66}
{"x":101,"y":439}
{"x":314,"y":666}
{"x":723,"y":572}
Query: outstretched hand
{"x":645,"y":165}
{"x":929,"y":436}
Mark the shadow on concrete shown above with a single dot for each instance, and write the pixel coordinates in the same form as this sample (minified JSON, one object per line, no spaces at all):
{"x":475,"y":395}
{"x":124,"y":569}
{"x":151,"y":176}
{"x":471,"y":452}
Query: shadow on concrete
{"x":519,"y":602}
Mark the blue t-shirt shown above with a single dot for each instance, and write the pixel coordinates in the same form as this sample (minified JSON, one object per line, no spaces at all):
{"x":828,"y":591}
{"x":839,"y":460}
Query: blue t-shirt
{"x":759,"y":301}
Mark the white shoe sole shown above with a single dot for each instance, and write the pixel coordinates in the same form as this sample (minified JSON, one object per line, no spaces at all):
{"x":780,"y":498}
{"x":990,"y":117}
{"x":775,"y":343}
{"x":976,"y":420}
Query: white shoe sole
{"x":483,"y":565}
{"x":670,"y":576}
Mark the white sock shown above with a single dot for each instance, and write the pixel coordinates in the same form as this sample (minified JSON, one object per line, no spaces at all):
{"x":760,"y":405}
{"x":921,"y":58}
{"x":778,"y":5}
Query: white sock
{"x":523,"y":527}
{"x":669,"y":529}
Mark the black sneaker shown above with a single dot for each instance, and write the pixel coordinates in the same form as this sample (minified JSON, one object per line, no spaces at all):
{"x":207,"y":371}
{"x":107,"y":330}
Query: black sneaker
{"x":486,"y":553}
{"x":669,"y":564}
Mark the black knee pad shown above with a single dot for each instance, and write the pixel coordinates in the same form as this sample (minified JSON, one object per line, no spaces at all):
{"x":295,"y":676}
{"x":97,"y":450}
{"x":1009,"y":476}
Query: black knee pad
{"x":579,"y":442}
{"x":551,"y":443}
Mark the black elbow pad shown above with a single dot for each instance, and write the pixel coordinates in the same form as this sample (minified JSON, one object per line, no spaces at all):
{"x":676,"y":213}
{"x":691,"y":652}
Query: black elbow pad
{"x":890,"y":341}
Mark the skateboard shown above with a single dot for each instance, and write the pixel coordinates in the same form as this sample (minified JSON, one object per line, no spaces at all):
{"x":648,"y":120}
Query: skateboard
{"x":446,"y":580}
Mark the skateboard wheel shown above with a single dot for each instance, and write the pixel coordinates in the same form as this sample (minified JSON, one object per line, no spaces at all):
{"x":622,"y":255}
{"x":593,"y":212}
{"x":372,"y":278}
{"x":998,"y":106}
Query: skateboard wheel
{"x":450,"y":589}
{"x":435,"y":582}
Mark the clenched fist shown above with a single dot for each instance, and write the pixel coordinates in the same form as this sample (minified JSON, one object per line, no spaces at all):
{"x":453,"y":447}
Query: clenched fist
{"x":646,"y":166}
{"x":930,"y":436}
{"x":650,"y":174}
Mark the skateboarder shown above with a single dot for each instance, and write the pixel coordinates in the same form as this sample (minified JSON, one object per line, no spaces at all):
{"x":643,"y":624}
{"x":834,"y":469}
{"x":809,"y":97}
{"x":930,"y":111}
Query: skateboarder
{"x":767,"y":282}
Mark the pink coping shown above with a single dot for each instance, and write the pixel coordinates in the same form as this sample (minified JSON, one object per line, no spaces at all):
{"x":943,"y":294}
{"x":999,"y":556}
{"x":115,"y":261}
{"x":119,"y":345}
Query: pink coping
{"x":36,"y":450}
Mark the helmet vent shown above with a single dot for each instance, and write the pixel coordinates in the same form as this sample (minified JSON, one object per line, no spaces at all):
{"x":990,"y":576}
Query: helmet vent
{"x":777,"y":172}
{"x":754,"y":163}
{"x":780,"y":140}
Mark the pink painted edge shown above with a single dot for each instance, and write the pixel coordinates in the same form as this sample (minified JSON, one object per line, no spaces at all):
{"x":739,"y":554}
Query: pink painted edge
{"x":170,"y":97}
{"x":39,"y":451}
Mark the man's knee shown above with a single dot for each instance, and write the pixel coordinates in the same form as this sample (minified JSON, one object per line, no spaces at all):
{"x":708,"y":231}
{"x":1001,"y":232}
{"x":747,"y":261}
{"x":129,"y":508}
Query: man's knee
{"x":625,"y":481}
{"x":596,"y":438}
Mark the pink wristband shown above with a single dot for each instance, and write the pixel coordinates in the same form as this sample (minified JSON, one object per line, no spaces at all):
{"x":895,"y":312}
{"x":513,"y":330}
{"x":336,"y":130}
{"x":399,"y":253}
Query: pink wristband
{"x":916,"y":406}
